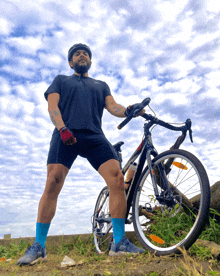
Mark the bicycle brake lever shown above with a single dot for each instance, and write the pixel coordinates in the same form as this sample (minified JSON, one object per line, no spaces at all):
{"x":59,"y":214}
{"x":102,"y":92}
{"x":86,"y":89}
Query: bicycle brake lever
{"x":144,"y":103}
{"x":190,"y":135}
{"x":189,"y":124}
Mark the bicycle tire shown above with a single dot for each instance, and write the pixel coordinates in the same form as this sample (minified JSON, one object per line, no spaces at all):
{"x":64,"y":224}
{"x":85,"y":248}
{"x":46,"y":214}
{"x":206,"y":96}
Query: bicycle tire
{"x":101,"y":223}
{"x":163,"y":230}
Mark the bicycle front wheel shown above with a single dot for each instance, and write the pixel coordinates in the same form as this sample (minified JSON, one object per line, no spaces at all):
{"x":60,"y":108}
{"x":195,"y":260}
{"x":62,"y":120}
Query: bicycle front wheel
{"x":101,"y":222}
{"x":176,"y":218}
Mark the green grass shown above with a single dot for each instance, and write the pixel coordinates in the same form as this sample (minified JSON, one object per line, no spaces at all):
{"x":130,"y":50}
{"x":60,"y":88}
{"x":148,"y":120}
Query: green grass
{"x":174,"y":229}
{"x":166,"y":227}
{"x":212,"y":230}
{"x":81,"y":248}
{"x":78,"y":246}
{"x":86,"y":248}
{"x":13,"y":250}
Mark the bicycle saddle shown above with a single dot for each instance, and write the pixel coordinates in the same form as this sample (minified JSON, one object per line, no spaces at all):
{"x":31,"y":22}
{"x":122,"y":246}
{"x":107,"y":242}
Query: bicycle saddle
{"x":118,"y":145}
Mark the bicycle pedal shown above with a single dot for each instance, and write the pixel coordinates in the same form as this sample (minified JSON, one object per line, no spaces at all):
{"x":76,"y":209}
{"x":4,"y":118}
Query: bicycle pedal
{"x":103,"y":220}
{"x":129,"y":221}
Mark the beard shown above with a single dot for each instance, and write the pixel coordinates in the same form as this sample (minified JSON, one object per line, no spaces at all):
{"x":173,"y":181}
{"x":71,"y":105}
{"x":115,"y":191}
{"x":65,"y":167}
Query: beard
{"x":81,"y":69}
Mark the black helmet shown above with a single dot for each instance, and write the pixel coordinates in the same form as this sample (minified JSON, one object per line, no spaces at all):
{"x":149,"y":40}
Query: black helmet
{"x":77,"y":47}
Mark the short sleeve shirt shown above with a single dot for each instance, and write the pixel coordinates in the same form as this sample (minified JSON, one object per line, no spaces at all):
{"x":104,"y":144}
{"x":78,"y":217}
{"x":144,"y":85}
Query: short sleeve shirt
{"x":82,"y":101}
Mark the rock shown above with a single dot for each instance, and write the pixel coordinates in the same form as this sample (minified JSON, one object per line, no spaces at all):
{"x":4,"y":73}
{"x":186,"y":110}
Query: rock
{"x":215,"y":193}
{"x":215,"y":248}
{"x":67,"y":262}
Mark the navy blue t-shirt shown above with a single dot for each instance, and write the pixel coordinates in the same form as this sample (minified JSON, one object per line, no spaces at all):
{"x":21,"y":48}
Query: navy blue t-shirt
{"x":82,"y":101}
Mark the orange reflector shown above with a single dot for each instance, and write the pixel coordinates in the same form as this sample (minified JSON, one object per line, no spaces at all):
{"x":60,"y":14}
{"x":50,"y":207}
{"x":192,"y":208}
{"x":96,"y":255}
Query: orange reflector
{"x":179,"y":165}
{"x":156,"y":239}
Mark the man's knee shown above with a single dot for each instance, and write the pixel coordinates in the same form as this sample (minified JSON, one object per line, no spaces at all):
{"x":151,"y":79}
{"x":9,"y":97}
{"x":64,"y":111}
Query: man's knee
{"x":56,"y":172}
{"x":55,"y":179}
{"x":117,"y":180}
{"x":112,"y":174}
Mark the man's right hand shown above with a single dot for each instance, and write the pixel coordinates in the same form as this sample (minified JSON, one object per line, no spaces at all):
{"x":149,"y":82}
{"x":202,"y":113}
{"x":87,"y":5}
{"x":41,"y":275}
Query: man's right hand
{"x":67,"y":136}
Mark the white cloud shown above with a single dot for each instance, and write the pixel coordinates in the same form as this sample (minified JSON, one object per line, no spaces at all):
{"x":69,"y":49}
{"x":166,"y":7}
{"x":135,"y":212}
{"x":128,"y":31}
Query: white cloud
{"x":25,"y":45}
{"x":6,"y":26}
{"x":213,"y":6}
{"x":168,"y":51}
{"x":5,"y":86}
{"x":213,"y":79}
{"x":50,"y":60}
{"x":74,"y":7}
{"x":172,"y":9}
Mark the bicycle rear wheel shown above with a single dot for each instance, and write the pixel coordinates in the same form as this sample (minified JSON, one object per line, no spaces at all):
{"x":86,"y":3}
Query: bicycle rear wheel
{"x":163,"y":226}
{"x":101,"y":222}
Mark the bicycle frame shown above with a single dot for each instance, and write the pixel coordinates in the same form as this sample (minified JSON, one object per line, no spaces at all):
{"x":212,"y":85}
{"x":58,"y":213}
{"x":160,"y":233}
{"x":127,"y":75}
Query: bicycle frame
{"x":155,"y":194}
{"x":144,"y":152}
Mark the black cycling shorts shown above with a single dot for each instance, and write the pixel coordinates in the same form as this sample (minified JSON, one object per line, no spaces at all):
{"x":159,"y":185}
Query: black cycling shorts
{"x":93,"y":146}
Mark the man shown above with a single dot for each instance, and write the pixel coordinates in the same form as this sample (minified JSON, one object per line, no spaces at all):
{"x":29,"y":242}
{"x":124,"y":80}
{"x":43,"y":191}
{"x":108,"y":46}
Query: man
{"x":75,"y":105}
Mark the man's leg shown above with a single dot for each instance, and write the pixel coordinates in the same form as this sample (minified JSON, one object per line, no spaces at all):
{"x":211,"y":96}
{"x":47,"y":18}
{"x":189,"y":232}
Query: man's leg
{"x":56,"y":174}
{"x":114,"y":178}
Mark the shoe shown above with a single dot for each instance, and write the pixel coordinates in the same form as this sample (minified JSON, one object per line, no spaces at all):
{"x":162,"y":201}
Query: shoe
{"x":35,"y":253}
{"x":124,"y":247}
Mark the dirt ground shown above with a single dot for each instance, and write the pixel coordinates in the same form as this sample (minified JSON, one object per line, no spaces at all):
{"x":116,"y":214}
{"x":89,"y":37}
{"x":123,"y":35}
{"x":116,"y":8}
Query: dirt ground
{"x":145,"y":264}
{"x":103,"y":265}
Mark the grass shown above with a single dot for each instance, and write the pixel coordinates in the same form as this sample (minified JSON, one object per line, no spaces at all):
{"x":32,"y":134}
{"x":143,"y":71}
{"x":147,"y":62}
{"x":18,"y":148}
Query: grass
{"x":13,"y":250}
{"x":79,"y":249}
{"x":212,"y":231}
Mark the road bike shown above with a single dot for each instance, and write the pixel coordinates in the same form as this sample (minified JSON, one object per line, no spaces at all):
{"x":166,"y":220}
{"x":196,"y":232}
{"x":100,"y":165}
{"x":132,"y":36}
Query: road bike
{"x":162,"y":198}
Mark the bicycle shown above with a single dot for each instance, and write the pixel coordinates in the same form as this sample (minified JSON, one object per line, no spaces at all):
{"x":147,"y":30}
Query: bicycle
{"x":160,"y":194}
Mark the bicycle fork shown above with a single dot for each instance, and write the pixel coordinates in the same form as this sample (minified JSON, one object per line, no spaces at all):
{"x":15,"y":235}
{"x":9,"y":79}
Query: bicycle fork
{"x":165,"y":198}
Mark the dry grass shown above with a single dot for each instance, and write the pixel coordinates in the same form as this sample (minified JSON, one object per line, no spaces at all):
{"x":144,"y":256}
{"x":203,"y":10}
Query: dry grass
{"x":196,"y":261}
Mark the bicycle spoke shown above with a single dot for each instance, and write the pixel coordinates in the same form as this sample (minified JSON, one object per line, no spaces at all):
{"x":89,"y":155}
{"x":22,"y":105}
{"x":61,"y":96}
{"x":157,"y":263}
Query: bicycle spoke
{"x":166,"y":222}
{"x":101,"y":222}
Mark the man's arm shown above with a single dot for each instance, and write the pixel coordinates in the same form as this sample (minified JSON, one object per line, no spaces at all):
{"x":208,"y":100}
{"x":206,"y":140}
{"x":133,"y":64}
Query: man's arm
{"x":117,"y":109}
{"x":54,"y":111}
{"x":114,"y":108}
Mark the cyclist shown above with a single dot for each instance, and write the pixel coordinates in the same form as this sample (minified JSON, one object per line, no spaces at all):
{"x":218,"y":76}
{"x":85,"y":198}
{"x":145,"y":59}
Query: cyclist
{"x":75,"y":105}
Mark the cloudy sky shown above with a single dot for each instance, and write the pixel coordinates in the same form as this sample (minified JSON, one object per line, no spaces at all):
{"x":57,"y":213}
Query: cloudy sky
{"x":168,"y":50}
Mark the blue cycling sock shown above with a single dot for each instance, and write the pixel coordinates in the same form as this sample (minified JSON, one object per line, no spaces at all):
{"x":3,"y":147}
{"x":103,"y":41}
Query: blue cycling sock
{"x":118,"y":225}
{"x":41,"y":233}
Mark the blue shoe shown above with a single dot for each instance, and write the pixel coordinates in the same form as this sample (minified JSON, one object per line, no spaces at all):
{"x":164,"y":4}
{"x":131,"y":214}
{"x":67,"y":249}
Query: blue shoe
{"x":35,"y":253}
{"x":124,"y":247}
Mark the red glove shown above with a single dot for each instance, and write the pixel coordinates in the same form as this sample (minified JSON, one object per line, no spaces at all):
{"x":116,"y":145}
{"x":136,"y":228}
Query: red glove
{"x":67,"y":136}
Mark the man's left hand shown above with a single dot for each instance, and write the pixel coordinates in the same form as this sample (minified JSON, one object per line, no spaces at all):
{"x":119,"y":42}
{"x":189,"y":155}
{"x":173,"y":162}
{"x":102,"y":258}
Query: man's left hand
{"x":130,"y":109}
